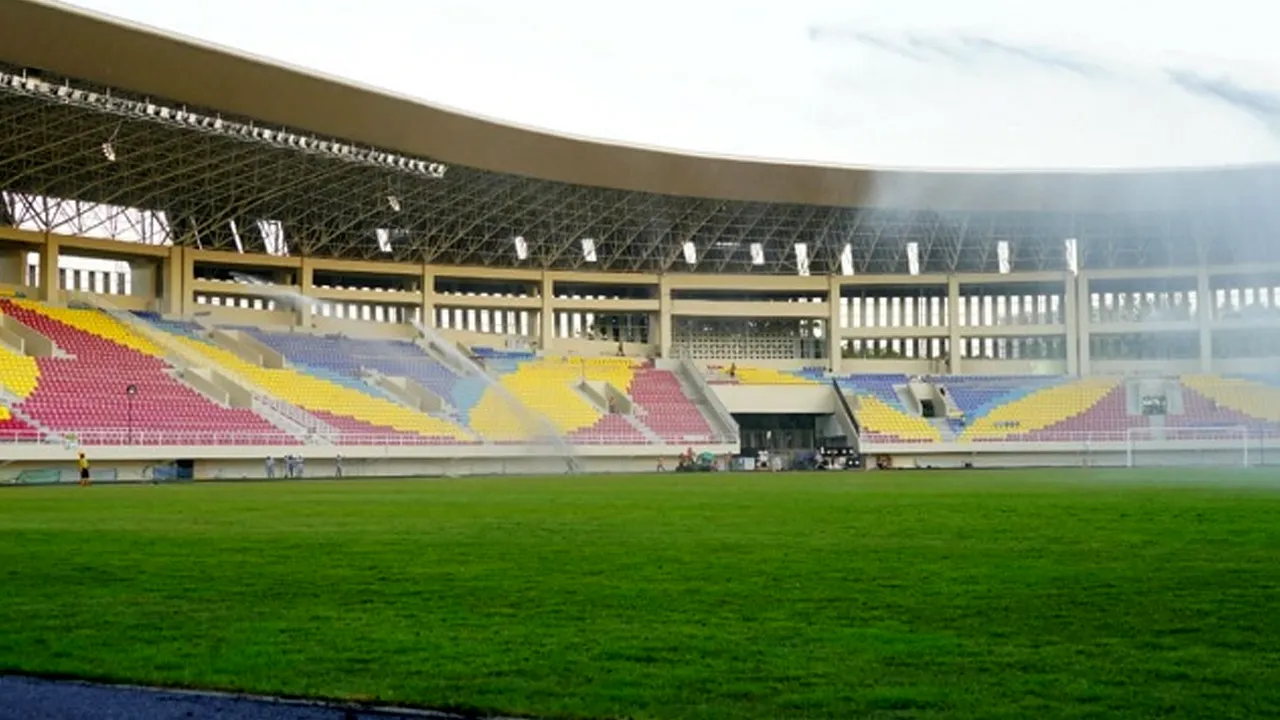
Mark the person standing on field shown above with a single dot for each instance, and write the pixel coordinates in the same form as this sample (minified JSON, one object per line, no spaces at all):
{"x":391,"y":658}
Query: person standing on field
{"x":83,"y":462}
{"x":337,"y":465}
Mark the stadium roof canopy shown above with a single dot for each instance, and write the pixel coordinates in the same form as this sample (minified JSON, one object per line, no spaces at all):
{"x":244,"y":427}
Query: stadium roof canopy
{"x":225,"y":151}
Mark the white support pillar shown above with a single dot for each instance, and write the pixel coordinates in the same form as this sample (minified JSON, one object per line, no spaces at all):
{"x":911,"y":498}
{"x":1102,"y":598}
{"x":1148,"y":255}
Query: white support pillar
{"x":1204,"y":318}
{"x":833,"y":325}
{"x":1083,"y":323}
{"x":953,"y":324}
{"x":428,"y":299}
{"x":306,"y":276}
{"x":1071,"y":318}
{"x":547,"y":328}
{"x":665,"y":324}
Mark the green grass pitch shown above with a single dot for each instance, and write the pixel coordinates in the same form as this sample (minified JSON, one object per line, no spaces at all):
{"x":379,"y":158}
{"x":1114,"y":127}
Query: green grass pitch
{"x":1015,"y":594}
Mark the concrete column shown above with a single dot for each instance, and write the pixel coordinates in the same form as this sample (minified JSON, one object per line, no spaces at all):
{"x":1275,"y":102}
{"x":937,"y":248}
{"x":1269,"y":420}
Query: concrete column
{"x":428,"y":298}
{"x":145,"y":277}
{"x":547,"y":327}
{"x":953,"y":323}
{"x":1204,"y":318}
{"x":13,"y":266}
{"x":664,"y":318}
{"x":49,"y":291}
{"x":306,"y":276}
{"x":1071,"y":314}
{"x":1084,"y":322}
{"x":833,"y":325}
{"x":172,"y":286}
{"x":188,"y":262}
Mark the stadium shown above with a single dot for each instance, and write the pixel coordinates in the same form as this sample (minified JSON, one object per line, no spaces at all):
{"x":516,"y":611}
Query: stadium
{"x":279,"y":274}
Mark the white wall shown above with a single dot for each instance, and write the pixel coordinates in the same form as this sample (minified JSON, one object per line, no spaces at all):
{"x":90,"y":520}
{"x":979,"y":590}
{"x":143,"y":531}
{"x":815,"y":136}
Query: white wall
{"x":783,"y":399}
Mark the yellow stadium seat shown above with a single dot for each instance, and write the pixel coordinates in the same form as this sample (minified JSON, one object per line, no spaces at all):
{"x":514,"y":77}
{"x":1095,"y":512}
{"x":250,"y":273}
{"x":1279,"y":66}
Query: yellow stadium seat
{"x":878,"y":416}
{"x":748,"y":375}
{"x":547,"y":387}
{"x":1250,"y":397}
{"x":318,"y":395}
{"x":96,"y":323}
{"x":1041,"y":409}
{"x":19,"y":374}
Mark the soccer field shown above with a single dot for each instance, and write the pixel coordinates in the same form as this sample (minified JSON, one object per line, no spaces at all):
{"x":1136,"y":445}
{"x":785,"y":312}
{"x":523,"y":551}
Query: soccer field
{"x":1031,"y":594}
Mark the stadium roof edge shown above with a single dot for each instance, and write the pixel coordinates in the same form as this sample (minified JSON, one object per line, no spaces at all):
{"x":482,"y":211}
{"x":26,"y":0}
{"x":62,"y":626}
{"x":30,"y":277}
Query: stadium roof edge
{"x":133,"y":58}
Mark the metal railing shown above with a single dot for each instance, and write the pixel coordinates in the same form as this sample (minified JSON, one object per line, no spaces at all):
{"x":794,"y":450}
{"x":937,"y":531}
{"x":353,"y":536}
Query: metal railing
{"x":845,"y":407}
{"x":726,"y":426}
{"x":212,"y":438}
{"x":294,"y":414}
{"x":1097,"y":437}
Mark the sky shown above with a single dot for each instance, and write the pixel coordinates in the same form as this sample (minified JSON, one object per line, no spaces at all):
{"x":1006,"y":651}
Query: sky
{"x":936,"y":84}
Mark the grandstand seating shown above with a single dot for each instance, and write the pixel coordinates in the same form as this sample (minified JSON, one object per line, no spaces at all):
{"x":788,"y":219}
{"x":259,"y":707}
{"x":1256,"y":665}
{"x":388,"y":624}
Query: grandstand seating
{"x":547,"y":388}
{"x":345,"y":358}
{"x":19,"y":376}
{"x":543,"y":386}
{"x":358,"y":414}
{"x":83,"y":392}
{"x":80,"y":390}
{"x":1053,"y":412}
{"x":1251,"y":401}
{"x":666,"y":408}
{"x":976,"y":395}
{"x":880,"y":411}
{"x":15,"y":429}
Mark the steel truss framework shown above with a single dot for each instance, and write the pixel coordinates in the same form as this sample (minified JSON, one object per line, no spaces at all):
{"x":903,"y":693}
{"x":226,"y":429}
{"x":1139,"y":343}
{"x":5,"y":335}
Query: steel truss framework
{"x":200,"y":182}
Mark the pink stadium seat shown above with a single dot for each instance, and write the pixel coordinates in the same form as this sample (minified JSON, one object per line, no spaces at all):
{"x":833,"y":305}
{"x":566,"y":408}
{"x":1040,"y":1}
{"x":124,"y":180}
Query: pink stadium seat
{"x":85,"y":394}
{"x":665,"y":408}
{"x":609,"y":430}
{"x":14,"y":429}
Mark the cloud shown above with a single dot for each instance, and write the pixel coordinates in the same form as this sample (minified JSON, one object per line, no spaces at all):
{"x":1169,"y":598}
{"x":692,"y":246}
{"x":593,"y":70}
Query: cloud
{"x":1046,"y":57}
{"x":962,"y":49}
{"x":1263,"y":105}
{"x":818,"y":33}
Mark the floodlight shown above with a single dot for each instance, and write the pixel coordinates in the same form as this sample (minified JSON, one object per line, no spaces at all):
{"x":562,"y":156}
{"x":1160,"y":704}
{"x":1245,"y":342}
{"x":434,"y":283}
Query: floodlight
{"x":802,"y":259}
{"x":690,"y":253}
{"x":522,"y":248}
{"x":846,"y":259}
{"x":109,"y":151}
{"x":394,"y":202}
{"x":1071,"y":249}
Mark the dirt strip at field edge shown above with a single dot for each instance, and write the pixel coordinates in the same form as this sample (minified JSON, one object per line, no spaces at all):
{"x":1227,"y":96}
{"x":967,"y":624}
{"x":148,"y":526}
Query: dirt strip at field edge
{"x":24,"y":697}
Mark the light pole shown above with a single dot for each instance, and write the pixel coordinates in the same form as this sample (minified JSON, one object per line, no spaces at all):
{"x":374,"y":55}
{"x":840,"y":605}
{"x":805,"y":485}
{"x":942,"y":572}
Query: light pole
{"x":130,"y":391}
